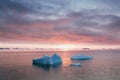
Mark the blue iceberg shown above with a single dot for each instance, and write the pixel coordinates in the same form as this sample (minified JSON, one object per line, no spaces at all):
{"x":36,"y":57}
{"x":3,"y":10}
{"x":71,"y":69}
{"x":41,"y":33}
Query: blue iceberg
{"x":48,"y":61}
{"x":81,"y":57}
{"x":55,"y":59}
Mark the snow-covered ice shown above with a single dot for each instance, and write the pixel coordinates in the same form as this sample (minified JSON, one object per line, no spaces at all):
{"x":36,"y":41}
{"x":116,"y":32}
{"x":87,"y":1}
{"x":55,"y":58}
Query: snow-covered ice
{"x":81,"y":57}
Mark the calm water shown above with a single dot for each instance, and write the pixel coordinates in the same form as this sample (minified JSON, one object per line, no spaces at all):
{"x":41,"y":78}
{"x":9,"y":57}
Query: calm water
{"x":18,"y":66}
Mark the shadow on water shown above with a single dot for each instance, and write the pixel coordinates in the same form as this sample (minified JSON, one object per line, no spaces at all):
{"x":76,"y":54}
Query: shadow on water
{"x":45,"y":67}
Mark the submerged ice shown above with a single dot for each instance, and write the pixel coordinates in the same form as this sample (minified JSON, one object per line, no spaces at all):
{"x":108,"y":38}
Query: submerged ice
{"x":75,"y":64}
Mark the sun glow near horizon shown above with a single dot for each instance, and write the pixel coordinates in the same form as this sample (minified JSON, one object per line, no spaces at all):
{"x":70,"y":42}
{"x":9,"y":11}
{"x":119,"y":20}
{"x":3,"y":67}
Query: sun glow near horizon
{"x":28,"y":45}
{"x":59,"y":46}
{"x":66,"y":47}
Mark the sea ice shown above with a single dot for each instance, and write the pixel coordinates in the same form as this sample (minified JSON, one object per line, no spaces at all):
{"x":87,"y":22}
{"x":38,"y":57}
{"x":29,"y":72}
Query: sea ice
{"x":81,"y":57}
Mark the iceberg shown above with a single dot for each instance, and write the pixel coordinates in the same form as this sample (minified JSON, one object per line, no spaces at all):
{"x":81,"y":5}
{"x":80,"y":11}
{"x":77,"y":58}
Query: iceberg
{"x":55,"y":59}
{"x":81,"y":57}
{"x":42,"y":61}
{"x":48,"y":61}
{"x":75,"y":64}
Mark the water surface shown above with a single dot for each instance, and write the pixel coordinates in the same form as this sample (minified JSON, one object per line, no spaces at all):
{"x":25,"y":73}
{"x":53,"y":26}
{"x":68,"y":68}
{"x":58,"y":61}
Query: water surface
{"x":18,"y":66}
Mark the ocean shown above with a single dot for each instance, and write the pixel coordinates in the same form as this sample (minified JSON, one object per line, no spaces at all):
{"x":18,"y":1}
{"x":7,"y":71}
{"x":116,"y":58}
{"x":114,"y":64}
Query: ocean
{"x":105,"y":65}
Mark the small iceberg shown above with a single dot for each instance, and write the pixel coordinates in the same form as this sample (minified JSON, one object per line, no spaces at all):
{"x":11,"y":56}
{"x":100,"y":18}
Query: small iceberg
{"x":81,"y":57}
{"x":48,"y":61}
{"x":75,"y":64}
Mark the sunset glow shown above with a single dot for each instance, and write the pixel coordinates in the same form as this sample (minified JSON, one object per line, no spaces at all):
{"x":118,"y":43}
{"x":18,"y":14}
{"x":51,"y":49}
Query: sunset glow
{"x":59,"y":24}
{"x":59,"y":39}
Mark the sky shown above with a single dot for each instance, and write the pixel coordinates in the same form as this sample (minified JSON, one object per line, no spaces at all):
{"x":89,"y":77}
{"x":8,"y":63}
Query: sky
{"x":60,"y":23}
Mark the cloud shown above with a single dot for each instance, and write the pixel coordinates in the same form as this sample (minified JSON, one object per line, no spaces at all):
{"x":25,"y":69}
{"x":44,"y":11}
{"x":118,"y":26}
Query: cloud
{"x":59,"y":21}
{"x":11,"y":5}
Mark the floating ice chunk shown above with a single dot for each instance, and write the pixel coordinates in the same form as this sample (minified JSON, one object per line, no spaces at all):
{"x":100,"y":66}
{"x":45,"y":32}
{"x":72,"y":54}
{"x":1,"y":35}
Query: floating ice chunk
{"x":55,"y":59}
{"x":81,"y":57}
{"x":46,"y":60}
{"x":75,"y":64}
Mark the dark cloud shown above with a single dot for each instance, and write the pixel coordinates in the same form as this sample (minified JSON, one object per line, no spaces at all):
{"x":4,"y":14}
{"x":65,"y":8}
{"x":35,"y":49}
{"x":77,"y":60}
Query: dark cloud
{"x":6,"y":5}
{"x":13,"y":12}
